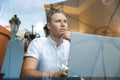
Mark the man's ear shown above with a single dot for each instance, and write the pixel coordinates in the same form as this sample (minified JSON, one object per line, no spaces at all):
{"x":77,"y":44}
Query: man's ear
{"x":48,"y":26}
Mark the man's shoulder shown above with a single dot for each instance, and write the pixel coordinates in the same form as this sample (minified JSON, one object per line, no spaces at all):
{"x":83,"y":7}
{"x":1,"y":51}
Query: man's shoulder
{"x":39,"y":40}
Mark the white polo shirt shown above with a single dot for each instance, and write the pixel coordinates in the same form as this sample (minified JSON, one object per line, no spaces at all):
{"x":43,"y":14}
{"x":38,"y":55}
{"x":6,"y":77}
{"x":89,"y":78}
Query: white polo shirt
{"x":50,"y":57}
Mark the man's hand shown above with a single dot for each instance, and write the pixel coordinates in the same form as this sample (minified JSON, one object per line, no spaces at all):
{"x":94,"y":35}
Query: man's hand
{"x":61,"y":73}
{"x":66,"y":35}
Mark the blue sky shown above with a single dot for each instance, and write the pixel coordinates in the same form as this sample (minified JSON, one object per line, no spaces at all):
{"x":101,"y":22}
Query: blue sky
{"x":30,"y":12}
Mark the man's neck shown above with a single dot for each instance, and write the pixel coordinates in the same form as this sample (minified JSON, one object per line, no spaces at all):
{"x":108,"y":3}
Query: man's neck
{"x":58,"y":40}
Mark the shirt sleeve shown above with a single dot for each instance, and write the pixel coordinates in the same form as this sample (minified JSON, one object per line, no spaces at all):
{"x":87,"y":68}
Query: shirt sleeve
{"x":33,"y":49}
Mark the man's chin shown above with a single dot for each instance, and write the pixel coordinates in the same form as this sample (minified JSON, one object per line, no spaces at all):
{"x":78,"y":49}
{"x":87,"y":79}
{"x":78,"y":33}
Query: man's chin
{"x":61,"y":36}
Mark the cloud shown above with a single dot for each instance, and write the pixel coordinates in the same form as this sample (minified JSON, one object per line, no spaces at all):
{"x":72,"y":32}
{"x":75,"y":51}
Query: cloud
{"x":38,"y":28}
{"x":4,"y":22}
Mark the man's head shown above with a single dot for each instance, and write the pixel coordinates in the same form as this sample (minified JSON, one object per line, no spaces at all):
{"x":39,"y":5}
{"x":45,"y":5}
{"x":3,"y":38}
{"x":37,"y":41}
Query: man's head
{"x":57,"y":23}
{"x":51,"y":12}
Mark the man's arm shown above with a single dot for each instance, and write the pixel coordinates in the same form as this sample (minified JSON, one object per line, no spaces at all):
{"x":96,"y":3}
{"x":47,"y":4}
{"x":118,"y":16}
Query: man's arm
{"x":29,"y":70}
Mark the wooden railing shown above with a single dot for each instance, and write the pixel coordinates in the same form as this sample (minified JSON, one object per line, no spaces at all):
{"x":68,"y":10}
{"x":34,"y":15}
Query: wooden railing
{"x":4,"y":38}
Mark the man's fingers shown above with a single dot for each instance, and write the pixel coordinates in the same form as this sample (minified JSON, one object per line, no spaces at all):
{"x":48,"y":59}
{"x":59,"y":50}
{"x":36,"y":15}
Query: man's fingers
{"x":66,"y":35}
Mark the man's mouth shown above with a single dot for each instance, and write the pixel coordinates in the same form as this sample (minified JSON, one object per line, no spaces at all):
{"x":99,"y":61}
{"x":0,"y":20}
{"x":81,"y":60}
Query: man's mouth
{"x":62,"y":30}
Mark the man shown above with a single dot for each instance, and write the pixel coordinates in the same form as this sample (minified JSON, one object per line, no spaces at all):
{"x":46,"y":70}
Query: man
{"x":46,"y":55}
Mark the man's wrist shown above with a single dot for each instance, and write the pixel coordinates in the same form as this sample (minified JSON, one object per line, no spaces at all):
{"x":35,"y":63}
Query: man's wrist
{"x":53,"y":74}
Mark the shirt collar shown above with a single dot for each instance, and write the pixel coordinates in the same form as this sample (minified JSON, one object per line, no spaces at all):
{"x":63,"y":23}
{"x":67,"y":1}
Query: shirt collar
{"x":52,"y":41}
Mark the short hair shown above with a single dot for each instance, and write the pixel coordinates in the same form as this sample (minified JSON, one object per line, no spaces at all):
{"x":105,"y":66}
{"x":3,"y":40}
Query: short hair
{"x":49,"y":15}
{"x":46,"y":30}
{"x":51,"y":12}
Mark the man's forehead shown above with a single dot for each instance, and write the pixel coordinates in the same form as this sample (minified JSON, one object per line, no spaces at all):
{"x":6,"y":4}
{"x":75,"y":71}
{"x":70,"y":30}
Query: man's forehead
{"x":58,"y":15}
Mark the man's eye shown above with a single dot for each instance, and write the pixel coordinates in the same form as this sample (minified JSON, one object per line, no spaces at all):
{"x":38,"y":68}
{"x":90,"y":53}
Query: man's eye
{"x":65,"y":21}
{"x":58,"y":20}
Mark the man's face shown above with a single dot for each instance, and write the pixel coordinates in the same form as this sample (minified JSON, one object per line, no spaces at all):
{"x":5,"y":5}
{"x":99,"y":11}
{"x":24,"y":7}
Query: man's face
{"x":58,"y":25}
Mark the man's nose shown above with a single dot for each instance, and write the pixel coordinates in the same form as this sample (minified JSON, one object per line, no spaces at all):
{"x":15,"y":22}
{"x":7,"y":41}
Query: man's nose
{"x":63,"y":24}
